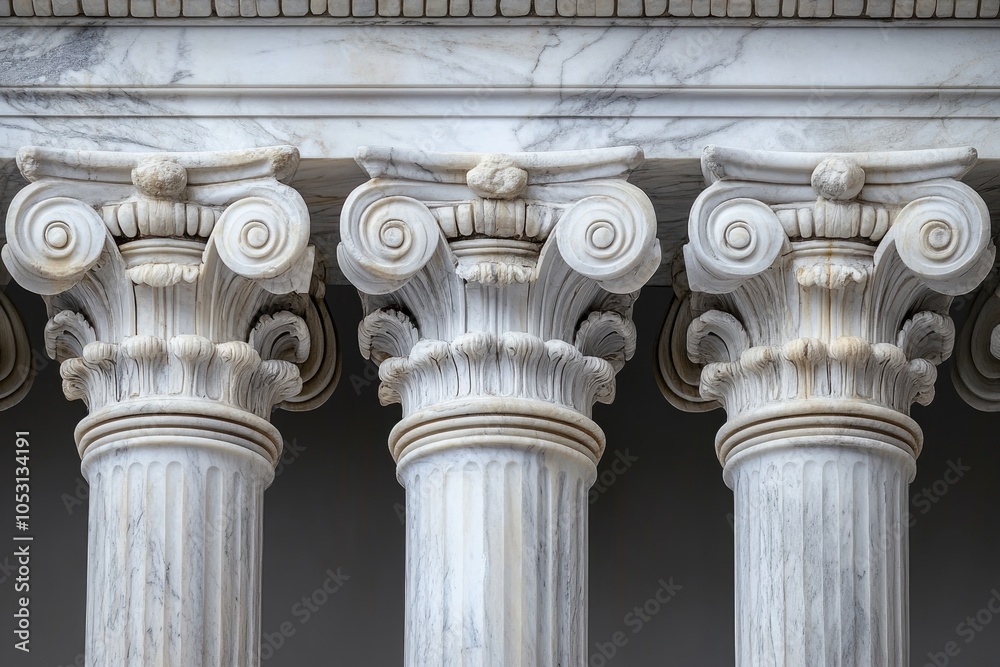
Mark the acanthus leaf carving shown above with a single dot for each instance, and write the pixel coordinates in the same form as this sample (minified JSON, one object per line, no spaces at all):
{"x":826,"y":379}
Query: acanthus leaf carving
{"x":183,"y":275}
{"x":823,"y":277}
{"x":498,"y":276}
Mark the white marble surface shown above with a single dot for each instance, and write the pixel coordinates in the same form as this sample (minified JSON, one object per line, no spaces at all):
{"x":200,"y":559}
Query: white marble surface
{"x":821,"y":547}
{"x":184,"y":307}
{"x":670,"y":89}
{"x":496,"y":560}
{"x":175,"y":547}
{"x":498,"y":294}
{"x":859,"y":255}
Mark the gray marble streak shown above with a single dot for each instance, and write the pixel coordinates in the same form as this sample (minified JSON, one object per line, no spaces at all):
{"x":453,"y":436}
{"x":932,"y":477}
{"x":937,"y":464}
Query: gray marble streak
{"x":670,"y":89}
{"x":821,"y":557}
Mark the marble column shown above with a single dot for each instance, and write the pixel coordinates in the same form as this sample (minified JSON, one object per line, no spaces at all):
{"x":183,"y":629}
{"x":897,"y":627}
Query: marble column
{"x":184,"y":306}
{"x":497,"y":292}
{"x":813,"y":307}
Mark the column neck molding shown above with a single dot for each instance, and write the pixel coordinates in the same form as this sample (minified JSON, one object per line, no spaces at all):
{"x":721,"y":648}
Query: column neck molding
{"x":178,"y":276}
{"x":488,"y":277}
{"x":825,"y":277}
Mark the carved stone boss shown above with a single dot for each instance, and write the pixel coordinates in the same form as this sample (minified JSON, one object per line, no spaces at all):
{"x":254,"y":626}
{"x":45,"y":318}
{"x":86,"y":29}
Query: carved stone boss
{"x":814,"y":308}
{"x":184,"y":307}
{"x":498,"y":292}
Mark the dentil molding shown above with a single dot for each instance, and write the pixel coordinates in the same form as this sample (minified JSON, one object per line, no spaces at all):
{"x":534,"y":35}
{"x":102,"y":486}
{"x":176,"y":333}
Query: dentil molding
{"x":500,"y":10}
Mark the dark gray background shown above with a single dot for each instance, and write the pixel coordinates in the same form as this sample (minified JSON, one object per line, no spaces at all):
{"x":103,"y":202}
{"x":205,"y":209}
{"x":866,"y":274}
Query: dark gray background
{"x":336,"y":505}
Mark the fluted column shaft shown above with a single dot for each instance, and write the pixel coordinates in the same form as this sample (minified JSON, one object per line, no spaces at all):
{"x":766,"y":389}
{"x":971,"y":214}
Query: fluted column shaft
{"x":184,"y":308}
{"x":488,"y":527}
{"x":174,"y":560}
{"x":814,"y":309}
{"x":498,"y":293}
{"x":821,"y":556}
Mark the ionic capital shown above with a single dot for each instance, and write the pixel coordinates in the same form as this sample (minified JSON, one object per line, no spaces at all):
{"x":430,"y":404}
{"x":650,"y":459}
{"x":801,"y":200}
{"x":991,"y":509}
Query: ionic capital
{"x":493,"y":277}
{"x":825,"y":277}
{"x":177,"y":284}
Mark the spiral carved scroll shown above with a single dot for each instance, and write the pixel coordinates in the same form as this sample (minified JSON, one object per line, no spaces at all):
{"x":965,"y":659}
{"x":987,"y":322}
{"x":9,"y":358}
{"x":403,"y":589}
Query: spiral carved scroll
{"x":387,"y":243}
{"x":610,"y":240}
{"x":53,"y":243}
{"x":262,"y":237}
{"x":945,"y":241}
{"x":737,"y":239}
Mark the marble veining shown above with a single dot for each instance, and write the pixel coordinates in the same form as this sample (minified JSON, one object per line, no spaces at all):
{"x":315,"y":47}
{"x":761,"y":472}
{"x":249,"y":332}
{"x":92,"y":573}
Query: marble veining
{"x":185,"y":305}
{"x":498,"y":292}
{"x":671,"y":88}
{"x":175,"y":555}
{"x":820,"y":534}
{"x":860,"y":254}
{"x":500,"y":575}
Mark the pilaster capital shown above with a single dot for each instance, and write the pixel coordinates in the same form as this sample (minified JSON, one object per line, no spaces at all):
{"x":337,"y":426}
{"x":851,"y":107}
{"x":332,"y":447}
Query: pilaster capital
{"x":976,"y":371}
{"x":489,"y":276}
{"x":17,"y":369}
{"x":825,"y":277}
{"x":176,"y":283}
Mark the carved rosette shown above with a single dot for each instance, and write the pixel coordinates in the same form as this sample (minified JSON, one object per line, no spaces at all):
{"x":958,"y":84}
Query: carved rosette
{"x":180,"y":285}
{"x":822,"y":278}
{"x":494,"y":277}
